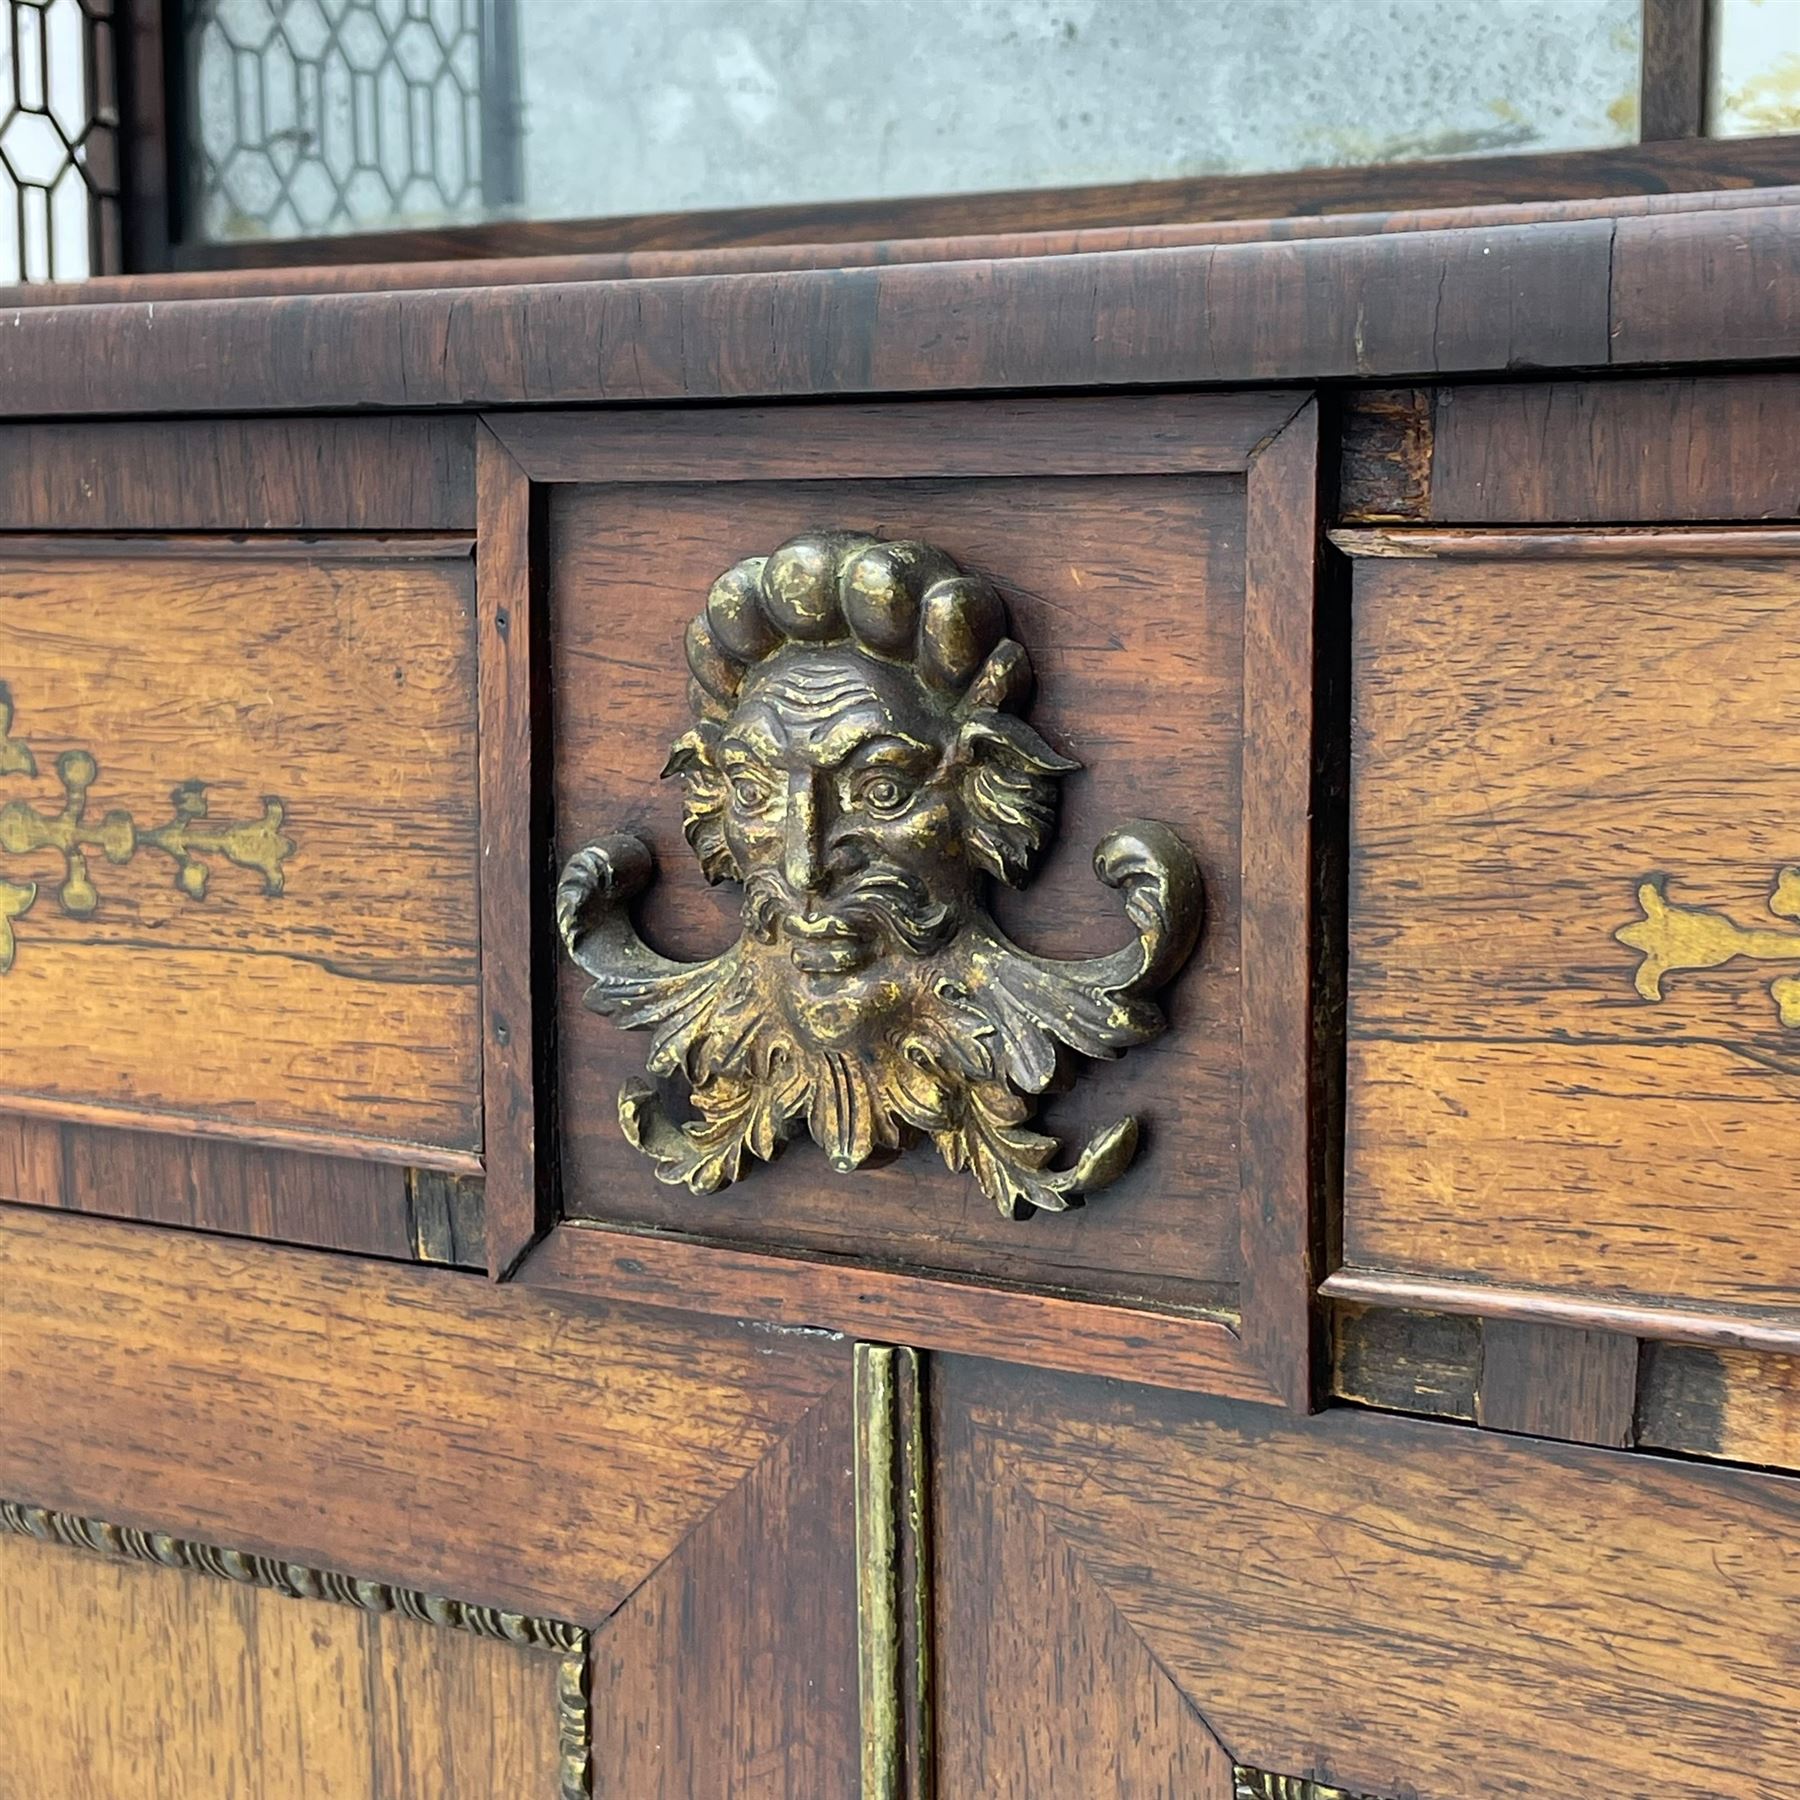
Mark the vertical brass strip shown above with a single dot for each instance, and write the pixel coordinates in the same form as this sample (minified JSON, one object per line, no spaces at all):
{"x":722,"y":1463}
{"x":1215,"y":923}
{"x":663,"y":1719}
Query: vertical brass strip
{"x":915,"y":1563}
{"x":574,"y":1718}
{"x":877,"y":1572}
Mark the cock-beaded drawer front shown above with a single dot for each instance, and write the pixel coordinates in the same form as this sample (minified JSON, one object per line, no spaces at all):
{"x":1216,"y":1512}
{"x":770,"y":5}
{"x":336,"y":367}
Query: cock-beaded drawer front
{"x":952,"y":972}
{"x":1574,"y":996}
{"x":238,"y":837}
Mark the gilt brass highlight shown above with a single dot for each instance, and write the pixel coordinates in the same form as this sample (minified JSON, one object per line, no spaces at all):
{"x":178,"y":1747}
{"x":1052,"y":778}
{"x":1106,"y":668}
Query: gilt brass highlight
{"x":859,"y":762}
{"x":1254,"y":1784}
{"x":893,"y":1581}
{"x":188,"y":837}
{"x":1672,"y":939}
{"x":878,"y":1570}
{"x":124,"y":1543}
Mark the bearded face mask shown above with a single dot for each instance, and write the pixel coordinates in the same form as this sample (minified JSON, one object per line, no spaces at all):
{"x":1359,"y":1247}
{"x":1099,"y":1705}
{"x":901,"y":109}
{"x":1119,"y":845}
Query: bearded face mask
{"x":859,"y":764}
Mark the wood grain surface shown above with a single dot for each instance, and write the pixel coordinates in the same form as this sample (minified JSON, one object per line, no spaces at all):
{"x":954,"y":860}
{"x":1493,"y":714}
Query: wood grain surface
{"x":1542,"y":724}
{"x":1698,"y":1400}
{"x":1575,"y":452}
{"x":1557,"y":1382}
{"x":1047,"y":1687}
{"x":131,"y":1683}
{"x":411,"y":1425}
{"x":1121,"y":589}
{"x":331,"y":474}
{"x":1729,"y":1404}
{"x":339,"y":679}
{"x":1391,"y":1606}
{"x":517,"y":973}
{"x":732,"y":1669}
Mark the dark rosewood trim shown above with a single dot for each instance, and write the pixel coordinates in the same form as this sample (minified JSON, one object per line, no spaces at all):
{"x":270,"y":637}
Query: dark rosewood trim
{"x":1151,"y":434}
{"x":146,"y":170}
{"x":1276,"y":1212}
{"x":515,"y":827}
{"x":1052,"y":1330}
{"x":411,"y":473}
{"x":1666,"y":1324}
{"x":1605,"y":452}
{"x":1685,"y":165}
{"x":1558,"y":1381}
{"x":1579,"y":294}
{"x":274,"y":1137}
{"x":645,"y":265}
{"x":1434,"y":544}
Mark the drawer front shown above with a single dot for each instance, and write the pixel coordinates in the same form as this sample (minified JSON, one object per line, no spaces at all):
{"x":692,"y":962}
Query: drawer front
{"x":937,"y":1090}
{"x":1574,"y":1018}
{"x":238,"y":838}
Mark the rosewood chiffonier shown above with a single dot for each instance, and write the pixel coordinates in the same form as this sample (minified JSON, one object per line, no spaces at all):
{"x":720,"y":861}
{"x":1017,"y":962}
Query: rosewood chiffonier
{"x":1013,"y":1017}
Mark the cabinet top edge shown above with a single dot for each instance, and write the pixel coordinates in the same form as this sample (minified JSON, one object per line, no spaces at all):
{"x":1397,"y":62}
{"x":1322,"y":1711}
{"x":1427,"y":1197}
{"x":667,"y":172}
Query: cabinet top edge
{"x":1625,"y":288}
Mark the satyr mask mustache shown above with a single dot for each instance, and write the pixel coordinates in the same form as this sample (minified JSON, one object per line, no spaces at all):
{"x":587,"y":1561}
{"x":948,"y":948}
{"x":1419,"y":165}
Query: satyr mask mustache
{"x":863,"y":912}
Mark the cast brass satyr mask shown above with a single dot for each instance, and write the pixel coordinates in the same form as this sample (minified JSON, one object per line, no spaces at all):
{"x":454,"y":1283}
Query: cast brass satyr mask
{"x":859,"y":763}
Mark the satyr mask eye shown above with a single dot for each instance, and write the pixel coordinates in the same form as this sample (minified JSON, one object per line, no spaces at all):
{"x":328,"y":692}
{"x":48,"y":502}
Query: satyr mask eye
{"x":751,"y":790}
{"x":883,"y":794}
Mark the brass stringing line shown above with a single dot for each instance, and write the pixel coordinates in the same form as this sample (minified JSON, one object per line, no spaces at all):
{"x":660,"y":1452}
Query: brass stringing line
{"x":297,"y":1581}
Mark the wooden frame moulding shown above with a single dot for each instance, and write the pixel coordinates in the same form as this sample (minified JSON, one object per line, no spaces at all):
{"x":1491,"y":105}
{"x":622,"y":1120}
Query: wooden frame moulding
{"x":1269,"y":439}
{"x":1621,"y":286}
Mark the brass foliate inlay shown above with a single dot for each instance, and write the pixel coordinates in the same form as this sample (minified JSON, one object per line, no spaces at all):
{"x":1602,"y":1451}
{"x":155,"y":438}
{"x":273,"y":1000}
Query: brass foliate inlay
{"x":1673,"y":939}
{"x":860,"y":763}
{"x":189,"y":837}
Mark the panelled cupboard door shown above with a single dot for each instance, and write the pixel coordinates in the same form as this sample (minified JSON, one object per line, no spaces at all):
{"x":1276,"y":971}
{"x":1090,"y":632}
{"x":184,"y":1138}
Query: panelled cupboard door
{"x":1574,"y":986}
{"x":1155,"y":1597}
{"x":280,"y":1525}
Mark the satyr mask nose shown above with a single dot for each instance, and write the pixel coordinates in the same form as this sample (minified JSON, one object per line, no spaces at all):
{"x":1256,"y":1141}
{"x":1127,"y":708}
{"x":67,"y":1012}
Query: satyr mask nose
{"x":802,"y":859}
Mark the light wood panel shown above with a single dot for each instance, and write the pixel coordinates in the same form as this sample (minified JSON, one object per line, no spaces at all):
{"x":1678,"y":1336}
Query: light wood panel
{"x":133,"y":1683}
{"x":337,"y":678}
{"x":1392,"y":1606}
{"x":1544,"y":724}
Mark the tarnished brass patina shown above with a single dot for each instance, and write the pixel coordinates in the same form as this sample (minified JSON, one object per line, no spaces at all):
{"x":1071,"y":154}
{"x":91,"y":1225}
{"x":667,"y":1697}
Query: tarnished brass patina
{"x":188,"y":838}
{"x":858,"y":761}
{"x":1673,"y":939}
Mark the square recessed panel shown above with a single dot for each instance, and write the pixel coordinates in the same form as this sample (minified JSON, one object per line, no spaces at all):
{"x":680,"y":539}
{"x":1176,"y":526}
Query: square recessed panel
{"x":238,"y":837}
{"x":1129,"y":595}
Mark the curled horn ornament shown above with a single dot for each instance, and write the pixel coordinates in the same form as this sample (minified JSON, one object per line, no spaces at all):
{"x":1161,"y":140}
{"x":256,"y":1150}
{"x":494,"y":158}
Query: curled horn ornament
{"x":860,"y":764}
